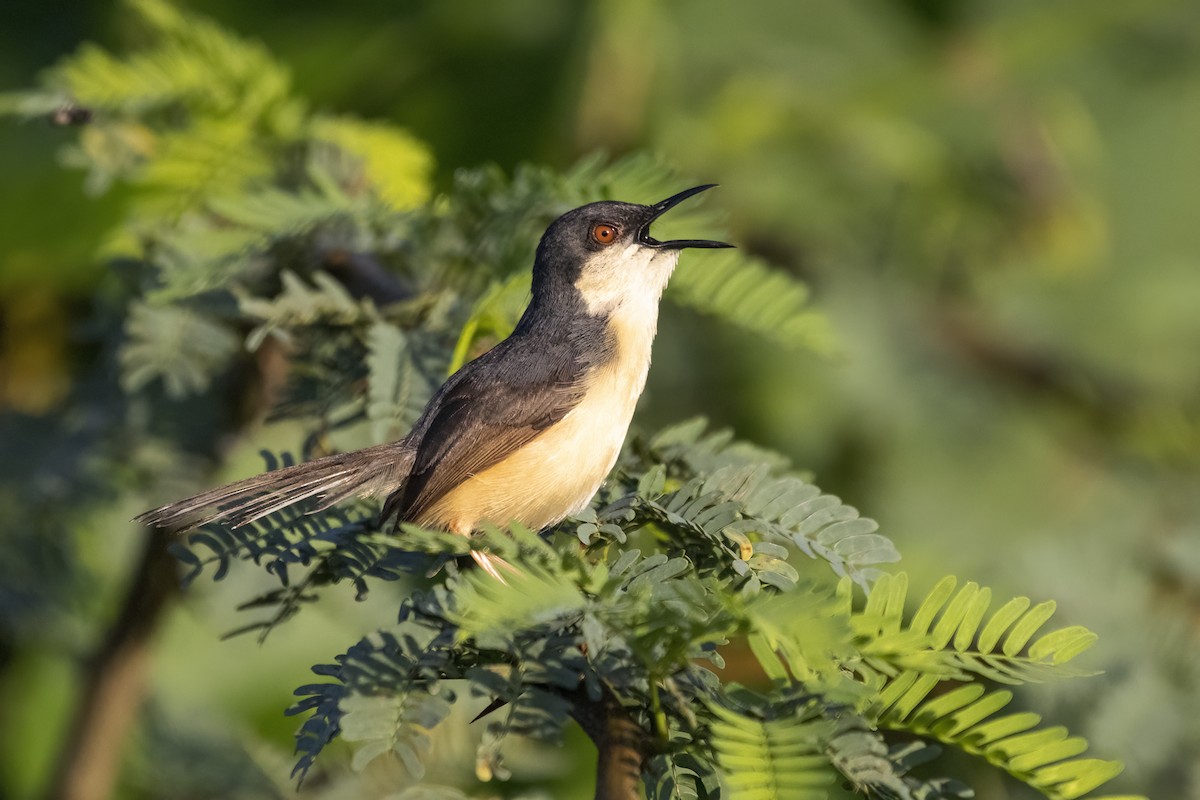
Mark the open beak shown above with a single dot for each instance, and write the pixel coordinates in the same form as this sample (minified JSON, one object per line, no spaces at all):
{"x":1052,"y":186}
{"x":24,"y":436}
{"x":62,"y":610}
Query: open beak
{"x":658,"y":209}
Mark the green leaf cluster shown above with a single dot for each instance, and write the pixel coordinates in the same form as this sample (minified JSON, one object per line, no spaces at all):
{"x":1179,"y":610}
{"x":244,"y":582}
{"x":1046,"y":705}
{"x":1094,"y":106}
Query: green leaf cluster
{"x":257,"y":223}
{"x":251,"y":211}
{"x":642,"y":598}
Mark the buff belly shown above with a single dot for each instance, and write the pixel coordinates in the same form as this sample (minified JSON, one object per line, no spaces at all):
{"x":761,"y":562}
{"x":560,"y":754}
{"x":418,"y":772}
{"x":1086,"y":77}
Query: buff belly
{"x":559,"y":471}
{"x":553,"y":476}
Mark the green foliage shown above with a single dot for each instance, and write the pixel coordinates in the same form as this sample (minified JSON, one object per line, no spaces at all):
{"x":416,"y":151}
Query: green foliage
{"x":263,"y":202}
{"x":396,"y":723}
{"x":194,"y":62}
{"x":568,"y":620}
{"x":1001,"y":650}
{"x":396,"y":391}
{"x":772,"y":758}
{"x":181,"y":347}
{"x":873,"y":768}
{"x":257,"y":223}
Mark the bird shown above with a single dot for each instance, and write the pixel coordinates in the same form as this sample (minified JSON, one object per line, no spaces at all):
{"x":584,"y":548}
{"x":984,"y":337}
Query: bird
{"x":526,"y":432}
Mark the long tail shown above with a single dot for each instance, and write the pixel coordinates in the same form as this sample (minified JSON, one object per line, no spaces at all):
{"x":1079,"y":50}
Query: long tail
{"x":368,"y":472}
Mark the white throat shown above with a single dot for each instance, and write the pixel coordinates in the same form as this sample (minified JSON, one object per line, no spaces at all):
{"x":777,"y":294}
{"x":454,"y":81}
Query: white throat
{"x":619,"y":280}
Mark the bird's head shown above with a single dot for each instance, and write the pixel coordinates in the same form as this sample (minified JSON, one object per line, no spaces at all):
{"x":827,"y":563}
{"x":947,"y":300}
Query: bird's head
{"x":603,"y":253}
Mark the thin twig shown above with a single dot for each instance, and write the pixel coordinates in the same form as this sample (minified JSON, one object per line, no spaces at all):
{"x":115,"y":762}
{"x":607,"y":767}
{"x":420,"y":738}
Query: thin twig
{"x":114,"y":685}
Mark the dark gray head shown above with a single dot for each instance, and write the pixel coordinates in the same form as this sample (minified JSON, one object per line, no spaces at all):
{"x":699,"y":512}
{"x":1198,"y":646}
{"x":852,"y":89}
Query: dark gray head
{"x":605,"y":252}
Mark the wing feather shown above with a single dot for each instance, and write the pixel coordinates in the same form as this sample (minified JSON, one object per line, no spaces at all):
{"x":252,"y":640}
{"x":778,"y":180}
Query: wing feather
{"x":487,"y":411}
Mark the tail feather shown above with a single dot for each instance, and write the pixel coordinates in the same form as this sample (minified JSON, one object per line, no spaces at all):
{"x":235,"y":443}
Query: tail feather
{"x":362,"y":473}
{"x":279,"y":497}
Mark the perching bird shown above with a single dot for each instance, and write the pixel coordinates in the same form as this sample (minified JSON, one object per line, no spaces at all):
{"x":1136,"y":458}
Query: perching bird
{"x":528,"y":431}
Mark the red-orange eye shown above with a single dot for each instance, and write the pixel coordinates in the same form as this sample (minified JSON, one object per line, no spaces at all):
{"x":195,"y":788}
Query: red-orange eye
{"x":604,"y":234}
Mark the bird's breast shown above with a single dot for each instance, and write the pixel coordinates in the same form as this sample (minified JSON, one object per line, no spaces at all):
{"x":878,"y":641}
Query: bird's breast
{"x":559,"y":471}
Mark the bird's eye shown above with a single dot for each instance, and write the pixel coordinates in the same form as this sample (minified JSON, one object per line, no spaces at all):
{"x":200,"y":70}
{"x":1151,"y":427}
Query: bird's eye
{"x":604,"y":233}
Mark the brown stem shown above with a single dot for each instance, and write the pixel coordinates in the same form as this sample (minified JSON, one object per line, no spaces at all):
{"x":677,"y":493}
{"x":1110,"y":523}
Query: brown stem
{"x":619,"y":759}
{"x":621,"y":744}
{"x":116,"y":676}
{"x":115,"y":683}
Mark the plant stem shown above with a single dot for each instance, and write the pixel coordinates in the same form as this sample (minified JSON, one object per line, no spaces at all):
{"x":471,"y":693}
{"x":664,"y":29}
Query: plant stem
{"x":619,"y":760}
{"x":621,"y":744}
{"x":116,"y":678}
{"x":115,"y":684}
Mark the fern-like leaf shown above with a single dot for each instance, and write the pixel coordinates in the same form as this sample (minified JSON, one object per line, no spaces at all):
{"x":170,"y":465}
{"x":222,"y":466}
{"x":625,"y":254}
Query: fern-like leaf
{"x":397,"y":722}
{"x":494,"y":316}
{"x":192,"y":60}
{"x":522,"y":709}
{"x":398,"y":166}
{"x":954,"y":632}
{"x":680,"y":777}
{"x":804,"y":628}
{"x":749,"y":293}
{"x":969,"y":718}
{"x":876,"y":770}
{"x":537,"y":593}
{"x":736,"y":502}
{"x":396,"y":389}
{"x":298,"y":304}
{"x":183,"y":348}
{"x":771,"y":759}
{"x":388,"y":695}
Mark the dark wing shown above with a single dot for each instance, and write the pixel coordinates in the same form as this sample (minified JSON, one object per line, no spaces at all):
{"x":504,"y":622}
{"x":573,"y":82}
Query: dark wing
{"x":486,"y":412}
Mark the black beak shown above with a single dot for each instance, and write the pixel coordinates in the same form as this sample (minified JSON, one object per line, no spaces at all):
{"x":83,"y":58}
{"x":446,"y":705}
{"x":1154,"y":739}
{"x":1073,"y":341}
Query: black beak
{"x":658,"y":209}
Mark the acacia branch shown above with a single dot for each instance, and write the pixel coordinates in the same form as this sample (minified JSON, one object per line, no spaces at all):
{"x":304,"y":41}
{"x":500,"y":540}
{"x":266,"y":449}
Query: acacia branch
{"x":622,"y":746}
{"x":116,"y":675}
{"x":115,"y":680}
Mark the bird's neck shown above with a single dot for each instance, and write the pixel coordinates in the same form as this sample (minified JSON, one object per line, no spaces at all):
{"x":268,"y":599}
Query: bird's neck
{"x":553,"y":312}
{"x":615,"y":338}
{"x":629,"y":331}
{"x":568,"y":311}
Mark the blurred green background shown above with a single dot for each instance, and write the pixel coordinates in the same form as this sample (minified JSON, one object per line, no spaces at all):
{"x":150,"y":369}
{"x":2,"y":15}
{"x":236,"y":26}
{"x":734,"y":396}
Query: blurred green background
{"x":995,"y":202}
